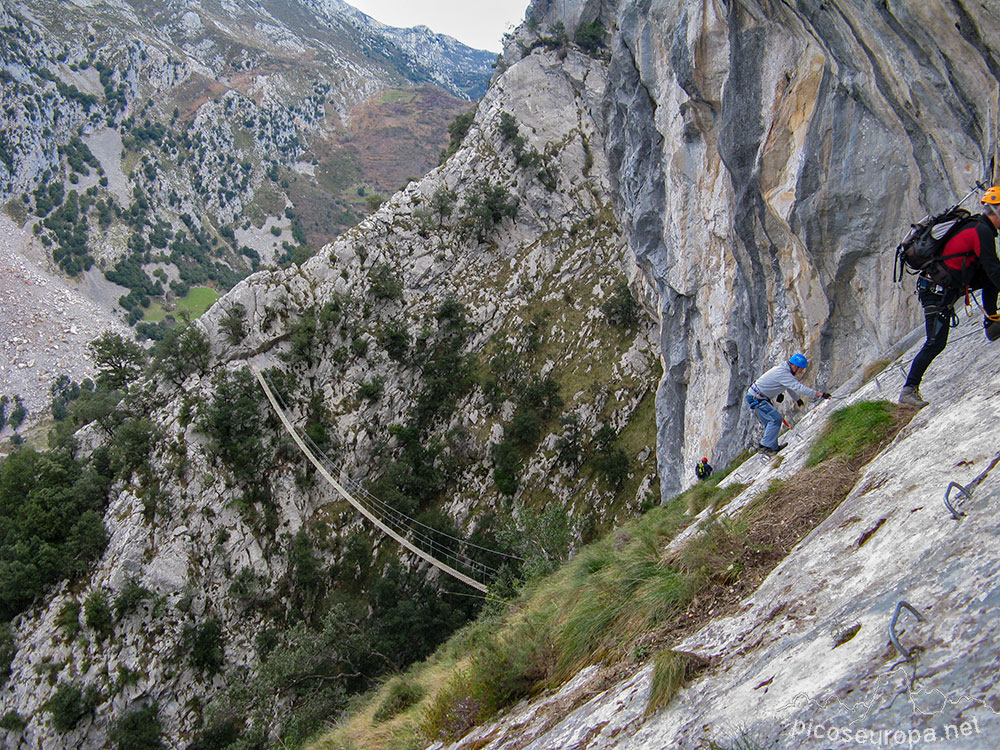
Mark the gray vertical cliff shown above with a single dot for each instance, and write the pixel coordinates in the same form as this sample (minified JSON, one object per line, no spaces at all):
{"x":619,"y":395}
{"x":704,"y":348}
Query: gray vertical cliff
{"x":765,"y":156}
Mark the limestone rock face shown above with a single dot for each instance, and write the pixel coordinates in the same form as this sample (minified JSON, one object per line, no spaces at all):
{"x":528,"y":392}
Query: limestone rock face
{"x":748,"y":167}
{"x":805,"y":662}
{"x":766,"y":157}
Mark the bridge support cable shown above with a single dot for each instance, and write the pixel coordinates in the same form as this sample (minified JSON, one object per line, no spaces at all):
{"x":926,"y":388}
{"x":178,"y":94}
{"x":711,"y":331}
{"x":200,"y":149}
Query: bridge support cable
{"x":385,"y":529}
{"x":431,"y":540}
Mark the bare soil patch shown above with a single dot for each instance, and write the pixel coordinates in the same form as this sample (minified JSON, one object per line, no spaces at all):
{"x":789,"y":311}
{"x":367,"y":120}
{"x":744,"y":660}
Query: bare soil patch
{"x":776,"y":521}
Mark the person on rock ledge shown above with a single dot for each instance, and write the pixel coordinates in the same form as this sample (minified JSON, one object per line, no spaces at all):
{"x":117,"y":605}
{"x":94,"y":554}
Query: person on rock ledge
{"x":968,"y":262}
{"x":772,"y":385}
{"x":703,"y":469}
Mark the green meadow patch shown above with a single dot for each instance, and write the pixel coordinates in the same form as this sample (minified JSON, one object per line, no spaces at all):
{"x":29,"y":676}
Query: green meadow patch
{"x":194,"y":303}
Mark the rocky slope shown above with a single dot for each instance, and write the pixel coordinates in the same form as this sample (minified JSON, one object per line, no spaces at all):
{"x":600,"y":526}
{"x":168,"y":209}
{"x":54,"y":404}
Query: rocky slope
{"x":806,"y":661}
{"x":469,"y":309}
{"x":172,"y":145}
{"x":747,"y":166}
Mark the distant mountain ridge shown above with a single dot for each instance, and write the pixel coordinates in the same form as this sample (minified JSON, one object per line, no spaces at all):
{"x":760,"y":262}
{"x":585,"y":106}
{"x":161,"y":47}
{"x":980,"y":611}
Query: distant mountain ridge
{"x":442,"y":59}
{"x":149,"y":147}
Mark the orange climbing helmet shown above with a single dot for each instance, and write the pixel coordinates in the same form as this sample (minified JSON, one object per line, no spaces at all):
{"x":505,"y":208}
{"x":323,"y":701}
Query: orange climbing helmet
{"x":992,"y":196}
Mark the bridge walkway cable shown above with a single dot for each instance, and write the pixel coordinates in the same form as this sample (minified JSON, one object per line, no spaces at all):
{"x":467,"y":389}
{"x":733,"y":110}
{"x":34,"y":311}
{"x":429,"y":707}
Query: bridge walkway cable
{"x":396,"y":523}
{"x":420,"y":533}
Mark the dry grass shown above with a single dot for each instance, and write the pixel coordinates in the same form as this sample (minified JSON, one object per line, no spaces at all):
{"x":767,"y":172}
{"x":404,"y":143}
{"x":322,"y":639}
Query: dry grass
{"x":874,"y":368}
{"x":671,"y":671}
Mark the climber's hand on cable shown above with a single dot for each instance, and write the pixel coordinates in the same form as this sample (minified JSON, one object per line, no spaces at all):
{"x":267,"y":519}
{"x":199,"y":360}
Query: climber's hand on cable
{"x":826,"y":395}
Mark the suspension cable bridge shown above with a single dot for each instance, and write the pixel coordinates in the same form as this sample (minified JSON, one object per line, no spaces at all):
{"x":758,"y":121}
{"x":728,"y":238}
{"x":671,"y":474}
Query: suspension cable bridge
{"x":427,"y":543}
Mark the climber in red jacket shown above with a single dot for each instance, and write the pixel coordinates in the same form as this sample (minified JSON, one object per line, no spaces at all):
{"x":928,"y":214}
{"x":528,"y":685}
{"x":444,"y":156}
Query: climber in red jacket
{"x":970,"y":262}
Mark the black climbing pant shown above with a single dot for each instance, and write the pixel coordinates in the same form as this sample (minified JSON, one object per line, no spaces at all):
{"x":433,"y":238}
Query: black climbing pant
{"x":938,"y":304}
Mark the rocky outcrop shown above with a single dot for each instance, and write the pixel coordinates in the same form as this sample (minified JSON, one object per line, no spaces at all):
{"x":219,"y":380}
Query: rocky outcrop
{"x":806,"y":661}
{"x":531,"y":283}
{"x":765,"y":157}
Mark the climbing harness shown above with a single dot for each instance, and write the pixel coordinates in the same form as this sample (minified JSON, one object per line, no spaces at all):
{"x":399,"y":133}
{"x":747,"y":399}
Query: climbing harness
{"x":968,"y":308}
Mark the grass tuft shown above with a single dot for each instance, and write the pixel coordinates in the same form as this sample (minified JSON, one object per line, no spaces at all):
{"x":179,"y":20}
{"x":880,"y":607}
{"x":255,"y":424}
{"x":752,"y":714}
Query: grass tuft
{"x":874,"y":368}
{"x":402,"y":693}
{"x":851,"y":431}
{"x":671,"y":671}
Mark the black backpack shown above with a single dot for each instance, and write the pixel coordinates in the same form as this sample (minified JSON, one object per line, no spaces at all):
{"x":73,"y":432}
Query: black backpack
{"x":922,"y":250}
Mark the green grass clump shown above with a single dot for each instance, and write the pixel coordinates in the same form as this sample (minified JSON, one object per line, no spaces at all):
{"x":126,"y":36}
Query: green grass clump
{"x":708,"y":494}
{"x":671,"y":670}
{"x":501,"y":671}
{"x":850,"y":431}
{"x":402,"y":694}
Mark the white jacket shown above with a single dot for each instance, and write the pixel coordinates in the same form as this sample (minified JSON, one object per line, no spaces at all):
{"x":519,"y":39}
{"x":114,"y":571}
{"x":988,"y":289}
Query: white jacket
{"x":779,"y":378}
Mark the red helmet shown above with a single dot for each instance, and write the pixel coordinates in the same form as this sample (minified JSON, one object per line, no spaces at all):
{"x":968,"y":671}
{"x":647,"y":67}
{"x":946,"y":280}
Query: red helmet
{"x":704,"y":459}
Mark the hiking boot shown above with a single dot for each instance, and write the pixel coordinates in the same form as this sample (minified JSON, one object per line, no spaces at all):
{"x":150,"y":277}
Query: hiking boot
{"x":910,"y":396}
{"x":769,"y":450}
{"x":993,"y":331}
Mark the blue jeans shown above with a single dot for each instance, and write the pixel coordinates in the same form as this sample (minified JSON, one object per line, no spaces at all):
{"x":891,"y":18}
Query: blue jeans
{"x":769,"y":417}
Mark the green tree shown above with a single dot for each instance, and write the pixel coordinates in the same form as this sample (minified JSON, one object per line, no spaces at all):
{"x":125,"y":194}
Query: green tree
{"x":386,"y":282}
{"x":97,"y":612}
{"x":52,"y":508}
{"x":70,"y":703}
{"x":394,"y":337}
{"x":569,"y":445}
{"x":485,"y":207}
{"x":132,"y":594}
{"x":304,"y":679}
{"x":506,"y":467}
{"x":508,"y":127}
{"x":131,"y":445}
{"x":18,"y":413}
{"x":182,"y":352}
{"x":233,"y":323}
{"x":8,"y":650}
{"x":68,"y":619}
{"x":302,"y":335}
{"x":621,"y":308}
{"x":442,"y":203}
{"x":590,"y":37}
{"x":374,"y":201}
{"x":371,"y":390}
{"x":97,"y":406}
{"x":206,"y":647}
{"x":139,"y":729}
{"x":457,"y":130}
{"x":12,"y":721}
{"x":234,"y":422}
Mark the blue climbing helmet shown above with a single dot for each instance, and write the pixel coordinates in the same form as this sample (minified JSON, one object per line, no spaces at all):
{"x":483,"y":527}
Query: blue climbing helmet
{"x":799,"y":360}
